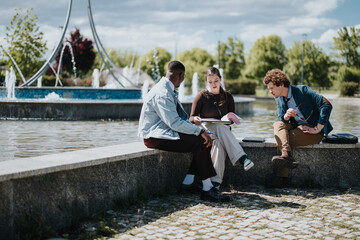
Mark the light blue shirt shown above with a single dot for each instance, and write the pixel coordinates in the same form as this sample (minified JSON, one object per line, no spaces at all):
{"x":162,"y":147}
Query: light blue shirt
{"x":159,"y":116}
{"x":292,"y":104}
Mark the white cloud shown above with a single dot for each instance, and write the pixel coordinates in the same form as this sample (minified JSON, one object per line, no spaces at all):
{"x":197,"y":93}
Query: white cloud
{"x":319,"y":7}
{"x":326,"y":37}
{"x":301,"y":30}
{"x":252,"y":32}
{"x":310,"y":22}
{"x":78,"y":21}
{"x":169,"y":16}
{"x":143,"y":25}
{"x":148,"y":36}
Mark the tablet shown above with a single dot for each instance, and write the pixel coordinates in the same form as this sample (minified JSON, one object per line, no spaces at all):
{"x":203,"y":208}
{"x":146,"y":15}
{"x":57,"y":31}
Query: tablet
{"x":253,"y":139}
{"x":214,"y":120}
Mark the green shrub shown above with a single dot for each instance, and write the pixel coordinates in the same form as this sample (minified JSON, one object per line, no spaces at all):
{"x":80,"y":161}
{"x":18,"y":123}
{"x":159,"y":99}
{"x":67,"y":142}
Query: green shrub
{"x":48,"y":80}
{"x":241,"y":86}
{"x":348,"y":88}
{"x":348,"y":74}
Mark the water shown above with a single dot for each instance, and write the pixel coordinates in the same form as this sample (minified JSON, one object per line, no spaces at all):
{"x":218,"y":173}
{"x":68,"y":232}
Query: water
{"x":10,"y":80}
{"x":144,"y":89}
{"x":138,"y":72}
{"x":66,"y":44}
{"x":345,"y":117}
{"x":182,"y":91}
{"x":39,"y":82}
{"x":194,"y":85}
{"x":96,"y":81}
{"x":34,"y":138}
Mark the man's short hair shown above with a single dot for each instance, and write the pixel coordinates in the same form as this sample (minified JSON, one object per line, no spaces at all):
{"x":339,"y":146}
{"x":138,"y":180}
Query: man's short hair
{"x":277,"y":77}
{"x":176,"y":66}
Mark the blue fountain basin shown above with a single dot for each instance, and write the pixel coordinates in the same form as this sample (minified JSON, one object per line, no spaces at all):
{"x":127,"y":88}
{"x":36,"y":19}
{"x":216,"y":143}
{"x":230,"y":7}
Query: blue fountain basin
{"x":74,"y":93}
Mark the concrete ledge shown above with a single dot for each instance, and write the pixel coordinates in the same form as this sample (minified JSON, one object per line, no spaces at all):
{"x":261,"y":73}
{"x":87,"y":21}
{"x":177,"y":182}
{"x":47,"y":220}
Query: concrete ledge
{"x":81,"y":109}
{"x":35,"y":166}
{"x":65,"y":187}
{"x":321,"y":165}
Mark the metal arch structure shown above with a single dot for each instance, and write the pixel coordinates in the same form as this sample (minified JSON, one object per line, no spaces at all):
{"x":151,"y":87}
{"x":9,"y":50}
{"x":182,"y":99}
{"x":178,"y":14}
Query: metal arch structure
{"x":15,"y":64}
{"x":53,"y":54}
{"x":98,"y":44}
{"x":102,"y":51}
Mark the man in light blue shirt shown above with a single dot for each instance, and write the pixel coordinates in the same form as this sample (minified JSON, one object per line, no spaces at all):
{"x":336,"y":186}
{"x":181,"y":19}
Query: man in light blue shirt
{"x":164,"y":125}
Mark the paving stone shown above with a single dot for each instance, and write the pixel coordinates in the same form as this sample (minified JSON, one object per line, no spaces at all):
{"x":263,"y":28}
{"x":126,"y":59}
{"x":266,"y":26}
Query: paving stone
{"x":254,"y":213}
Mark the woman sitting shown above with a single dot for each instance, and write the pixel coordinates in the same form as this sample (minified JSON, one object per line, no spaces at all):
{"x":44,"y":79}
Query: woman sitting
{"x":216,"y":103}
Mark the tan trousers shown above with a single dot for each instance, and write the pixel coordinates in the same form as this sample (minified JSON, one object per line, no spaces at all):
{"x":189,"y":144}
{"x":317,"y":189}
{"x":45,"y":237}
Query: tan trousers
{"x":224,"y":144}
{"x":288,"y":137}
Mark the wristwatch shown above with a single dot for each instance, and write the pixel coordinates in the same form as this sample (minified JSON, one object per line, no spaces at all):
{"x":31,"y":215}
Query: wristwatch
{"x":316,"y":129}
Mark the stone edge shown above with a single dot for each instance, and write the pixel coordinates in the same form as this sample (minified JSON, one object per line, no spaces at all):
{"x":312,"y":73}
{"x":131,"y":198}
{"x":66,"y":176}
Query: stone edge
{"x":34,"y":166}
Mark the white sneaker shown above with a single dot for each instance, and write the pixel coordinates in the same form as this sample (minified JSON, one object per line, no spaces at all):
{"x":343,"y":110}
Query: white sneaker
{"x":248,"y":164}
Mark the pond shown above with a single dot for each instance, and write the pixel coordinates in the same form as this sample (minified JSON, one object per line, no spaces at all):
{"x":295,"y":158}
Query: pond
{"x":22,"y":139}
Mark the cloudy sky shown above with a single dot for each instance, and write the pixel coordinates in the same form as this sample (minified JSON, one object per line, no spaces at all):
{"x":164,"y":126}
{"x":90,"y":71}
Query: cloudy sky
{"x":141,"y":25}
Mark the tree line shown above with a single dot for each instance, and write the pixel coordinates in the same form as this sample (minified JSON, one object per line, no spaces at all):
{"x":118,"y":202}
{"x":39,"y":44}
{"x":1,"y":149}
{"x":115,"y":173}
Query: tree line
{"x":26,"y":46}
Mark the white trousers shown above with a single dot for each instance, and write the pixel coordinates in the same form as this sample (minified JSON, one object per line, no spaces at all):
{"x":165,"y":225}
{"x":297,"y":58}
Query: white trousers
{"x":224,"y":144}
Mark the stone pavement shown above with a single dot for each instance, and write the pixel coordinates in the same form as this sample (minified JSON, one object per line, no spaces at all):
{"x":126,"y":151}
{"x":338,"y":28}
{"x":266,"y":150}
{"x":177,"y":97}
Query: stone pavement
{"x":254,"y":213}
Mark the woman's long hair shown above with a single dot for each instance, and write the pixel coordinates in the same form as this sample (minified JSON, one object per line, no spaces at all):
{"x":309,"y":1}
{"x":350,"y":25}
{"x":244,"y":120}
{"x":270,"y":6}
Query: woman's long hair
{"x":214,"y":71}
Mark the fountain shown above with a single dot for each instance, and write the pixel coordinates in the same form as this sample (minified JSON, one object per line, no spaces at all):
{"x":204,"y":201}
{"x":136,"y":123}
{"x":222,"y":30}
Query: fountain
{"x":182,"y":92}
{"x":155,"y":71}
{"x":144,"y":89}
{"x":52,"y":96}
{"x":222,"y":78}
{"x":66,"y":44}
{"x":39,"y":82}
{"x":96,"y":81}
{"x":10,"y":79}
{"x":138,"y":72}
{"x":195,"y":84}
{"x":122,"y":101}
{"x":17,"y":67}
{"x":243,"y":105}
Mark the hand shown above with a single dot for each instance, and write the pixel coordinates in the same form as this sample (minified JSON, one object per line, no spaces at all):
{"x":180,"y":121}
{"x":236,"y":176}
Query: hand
{"x":233,"y":117}
{"x":208,"y":140}
{"x":197,"y":120}
{"x":290,"y":113}
{"x":307,"y":129}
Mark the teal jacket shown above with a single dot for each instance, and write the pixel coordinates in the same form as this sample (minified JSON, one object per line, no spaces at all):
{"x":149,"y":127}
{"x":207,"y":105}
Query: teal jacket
{"x":313,"y":106}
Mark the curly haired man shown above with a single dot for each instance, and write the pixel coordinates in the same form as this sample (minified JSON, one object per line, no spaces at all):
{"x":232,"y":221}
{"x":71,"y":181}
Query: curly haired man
{"x":303,"y":118}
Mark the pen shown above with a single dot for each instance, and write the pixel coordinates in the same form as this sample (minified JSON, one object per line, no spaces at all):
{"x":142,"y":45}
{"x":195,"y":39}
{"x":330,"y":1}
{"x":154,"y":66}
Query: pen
{"x":209,"y":133}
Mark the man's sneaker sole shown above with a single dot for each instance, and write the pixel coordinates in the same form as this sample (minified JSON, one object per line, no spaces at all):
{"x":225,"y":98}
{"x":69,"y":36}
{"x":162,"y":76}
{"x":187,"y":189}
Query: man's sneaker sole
{"x":284,"y":162}
{"x":249,"y":166}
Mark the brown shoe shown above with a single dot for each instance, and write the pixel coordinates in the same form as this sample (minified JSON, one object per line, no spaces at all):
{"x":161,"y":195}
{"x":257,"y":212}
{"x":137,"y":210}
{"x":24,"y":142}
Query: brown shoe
{"x":288,"y":162}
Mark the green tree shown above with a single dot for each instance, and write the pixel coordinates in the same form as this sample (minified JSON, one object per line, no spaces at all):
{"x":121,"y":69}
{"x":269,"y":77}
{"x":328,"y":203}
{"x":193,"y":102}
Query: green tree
{"x":348,"y":42}
{"x":316,"y":64}
{"x":26,"y":44}
{"x":232,"y":57}
{"x":266,"y":53}
{"x":349,"y":78}
{"x":195,"y":60}
{"x":154,"y":62}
